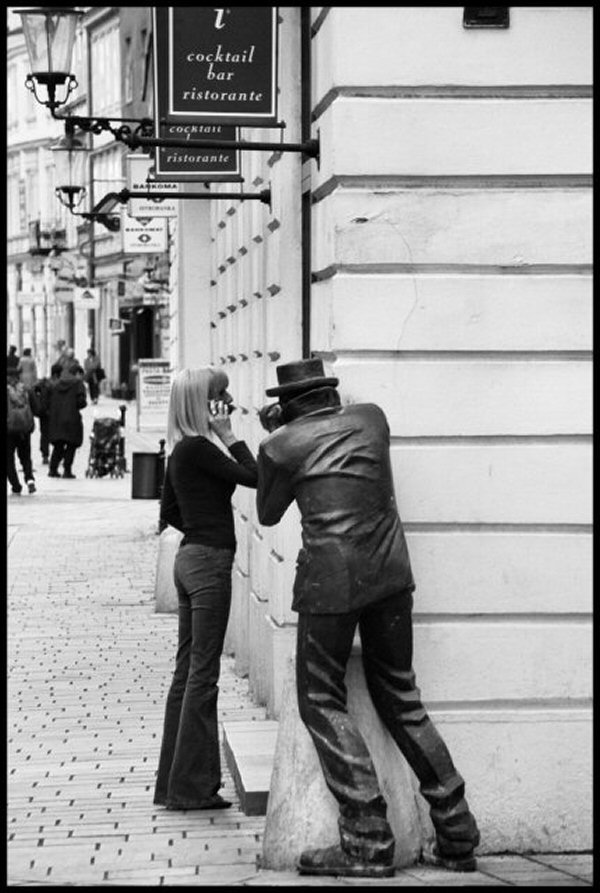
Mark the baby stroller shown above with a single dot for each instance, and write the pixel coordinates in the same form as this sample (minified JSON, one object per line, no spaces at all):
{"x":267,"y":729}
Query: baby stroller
{"x":107,"y":448}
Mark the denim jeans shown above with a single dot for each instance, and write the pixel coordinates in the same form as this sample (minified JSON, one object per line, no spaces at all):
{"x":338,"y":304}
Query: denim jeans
{"x":324,"y":644}
{"x":189,"y":768}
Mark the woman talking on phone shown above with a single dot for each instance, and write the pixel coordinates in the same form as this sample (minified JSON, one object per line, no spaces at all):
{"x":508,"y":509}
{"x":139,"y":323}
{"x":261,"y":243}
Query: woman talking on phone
{"x":199,"y":482}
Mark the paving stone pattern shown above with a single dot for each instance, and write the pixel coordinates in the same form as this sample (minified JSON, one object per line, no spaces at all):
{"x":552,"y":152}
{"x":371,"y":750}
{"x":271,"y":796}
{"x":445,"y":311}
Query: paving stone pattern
{"x":89,"y":666}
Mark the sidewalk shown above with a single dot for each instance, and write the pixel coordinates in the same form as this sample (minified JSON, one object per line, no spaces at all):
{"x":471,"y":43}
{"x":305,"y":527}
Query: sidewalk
{"x":89,"y":667}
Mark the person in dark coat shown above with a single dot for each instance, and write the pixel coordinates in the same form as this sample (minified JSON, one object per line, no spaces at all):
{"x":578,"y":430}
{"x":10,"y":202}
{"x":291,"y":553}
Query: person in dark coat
{"x":12,"y":359}
{"x":65,"y":425}
{"x":93,"y":373}
{"x":354,"y":570}
{"x":43,"y":392}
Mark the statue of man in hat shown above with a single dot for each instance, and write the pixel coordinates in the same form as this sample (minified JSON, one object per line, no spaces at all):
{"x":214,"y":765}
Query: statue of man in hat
{"x":354,"y":570}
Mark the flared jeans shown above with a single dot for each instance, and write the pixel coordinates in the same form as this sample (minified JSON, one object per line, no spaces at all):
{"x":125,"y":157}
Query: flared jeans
{"x":324,"y":644}
{"x":189,"y":768}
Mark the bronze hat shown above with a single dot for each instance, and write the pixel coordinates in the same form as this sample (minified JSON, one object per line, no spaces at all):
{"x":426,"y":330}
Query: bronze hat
{"x":301,"y":375}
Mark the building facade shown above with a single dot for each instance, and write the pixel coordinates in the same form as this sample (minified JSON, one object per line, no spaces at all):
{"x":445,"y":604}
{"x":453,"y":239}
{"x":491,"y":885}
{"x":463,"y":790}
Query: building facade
{"x":450,"y":276}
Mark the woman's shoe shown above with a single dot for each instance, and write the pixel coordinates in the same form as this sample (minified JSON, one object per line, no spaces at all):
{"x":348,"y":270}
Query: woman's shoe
{"x":214,"y":802}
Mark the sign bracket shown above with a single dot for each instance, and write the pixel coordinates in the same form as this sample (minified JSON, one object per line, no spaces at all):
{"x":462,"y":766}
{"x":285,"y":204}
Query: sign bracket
{"x":111,"y":199}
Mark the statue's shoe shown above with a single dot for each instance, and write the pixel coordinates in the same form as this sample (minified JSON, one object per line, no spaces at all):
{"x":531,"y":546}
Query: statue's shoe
{"x":467,"y":862}
{"x":334,"y":861}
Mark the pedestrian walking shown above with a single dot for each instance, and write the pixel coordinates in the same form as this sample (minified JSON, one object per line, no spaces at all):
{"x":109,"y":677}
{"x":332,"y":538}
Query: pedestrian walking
{"x":65,"y":425}
{"x":94,"y":373}
{"x":28,"y":366}
{"x":42,"y":390}
{"x":19,"y":426}
{"x":196,"y":499}
{"x":354,"y":570}
{"x":67,"y":357}
{"x":12,"y":359}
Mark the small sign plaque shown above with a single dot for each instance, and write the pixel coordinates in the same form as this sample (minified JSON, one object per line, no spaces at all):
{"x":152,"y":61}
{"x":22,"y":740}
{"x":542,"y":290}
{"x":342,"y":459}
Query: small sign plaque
{"x":143,"y":235}
{"x":191,"y":164}
{"x":140,"y":178}
{"x":153,"y":391}
{"x":30,"y":298}
{"x":86,"y":298}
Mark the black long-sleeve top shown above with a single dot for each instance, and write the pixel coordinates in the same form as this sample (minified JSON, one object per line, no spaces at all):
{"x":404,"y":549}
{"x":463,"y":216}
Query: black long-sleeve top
{"x":199,"y":482}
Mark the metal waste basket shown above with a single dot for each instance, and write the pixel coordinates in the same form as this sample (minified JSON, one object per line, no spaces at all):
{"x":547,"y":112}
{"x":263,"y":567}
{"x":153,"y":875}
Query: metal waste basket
{"x":147,"y":471}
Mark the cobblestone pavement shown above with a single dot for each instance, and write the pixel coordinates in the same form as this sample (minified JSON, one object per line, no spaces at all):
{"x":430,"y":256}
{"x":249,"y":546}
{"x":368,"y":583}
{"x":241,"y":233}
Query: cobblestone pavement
{"x":89,"y":665}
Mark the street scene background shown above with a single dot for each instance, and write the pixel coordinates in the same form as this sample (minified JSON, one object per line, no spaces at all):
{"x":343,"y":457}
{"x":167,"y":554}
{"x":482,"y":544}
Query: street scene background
{"x":428,"y":237}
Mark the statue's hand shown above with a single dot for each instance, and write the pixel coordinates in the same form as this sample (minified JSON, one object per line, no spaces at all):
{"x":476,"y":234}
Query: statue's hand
{"x":270,"y":416}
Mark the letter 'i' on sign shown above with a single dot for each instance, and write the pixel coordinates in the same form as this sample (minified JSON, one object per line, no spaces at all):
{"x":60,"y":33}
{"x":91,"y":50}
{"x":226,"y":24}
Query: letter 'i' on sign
{"x":217,"y":65}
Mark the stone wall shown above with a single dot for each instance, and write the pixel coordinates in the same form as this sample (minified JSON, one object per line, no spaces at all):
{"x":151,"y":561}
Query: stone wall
{"x":451,"y":262}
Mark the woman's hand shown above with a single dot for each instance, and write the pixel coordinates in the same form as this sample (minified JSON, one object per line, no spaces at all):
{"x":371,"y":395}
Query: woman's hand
{"x":220,"y":422}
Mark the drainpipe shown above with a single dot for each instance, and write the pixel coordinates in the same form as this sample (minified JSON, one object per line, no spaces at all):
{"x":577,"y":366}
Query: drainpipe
{"x":305,"y":115}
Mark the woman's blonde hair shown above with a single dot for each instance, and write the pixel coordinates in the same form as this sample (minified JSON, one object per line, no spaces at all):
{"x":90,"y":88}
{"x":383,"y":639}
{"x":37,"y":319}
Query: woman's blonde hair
{"x":188,"y":402}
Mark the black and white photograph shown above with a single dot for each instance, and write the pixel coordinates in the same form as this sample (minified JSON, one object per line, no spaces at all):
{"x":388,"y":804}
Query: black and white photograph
{"x":299,"y":446}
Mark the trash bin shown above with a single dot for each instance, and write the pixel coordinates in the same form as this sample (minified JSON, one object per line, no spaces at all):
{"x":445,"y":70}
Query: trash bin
{"x":146,"y":475}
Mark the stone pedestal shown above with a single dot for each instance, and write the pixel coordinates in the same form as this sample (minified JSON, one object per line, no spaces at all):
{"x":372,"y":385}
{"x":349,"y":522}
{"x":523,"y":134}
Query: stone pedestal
{"x":302,"y":813}
{"x":165,"y":594}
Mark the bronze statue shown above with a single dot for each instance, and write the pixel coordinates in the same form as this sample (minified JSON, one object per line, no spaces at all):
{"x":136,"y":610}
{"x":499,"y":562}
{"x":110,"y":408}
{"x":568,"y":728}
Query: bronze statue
{"x":354,"y":569}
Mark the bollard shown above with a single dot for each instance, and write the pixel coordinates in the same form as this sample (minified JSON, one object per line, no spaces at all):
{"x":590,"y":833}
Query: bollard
{"x":144,"y":478}
{"x":122,"y":456}
{"x":161,"y":481}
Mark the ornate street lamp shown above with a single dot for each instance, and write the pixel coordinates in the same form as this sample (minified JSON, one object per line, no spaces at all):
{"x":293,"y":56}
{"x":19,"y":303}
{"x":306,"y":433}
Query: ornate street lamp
{"x":50,"y":36}
{"x":69,"y":164}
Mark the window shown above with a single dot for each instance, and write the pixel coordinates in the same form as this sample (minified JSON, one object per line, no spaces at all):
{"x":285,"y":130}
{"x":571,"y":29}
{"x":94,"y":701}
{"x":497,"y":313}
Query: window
{"x":13,"y":219}
{"x":106,"y":65}
{"x":32,"y":187}
{"x":128,"y":71}
{"x":78,"y":64}
{"x":13,"y":105}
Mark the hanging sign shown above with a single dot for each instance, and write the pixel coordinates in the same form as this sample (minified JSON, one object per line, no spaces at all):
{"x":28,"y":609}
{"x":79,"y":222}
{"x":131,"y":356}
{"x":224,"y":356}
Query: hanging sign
{"x":30,"y":298}
{"x":189,"y":164}
{"x":140,"y":179}
{"x":217,"y":65}
{"x":88,"y":298}
{"x":143,"y":235}
{"x":64,"y":293}
{"x":153,"y":391}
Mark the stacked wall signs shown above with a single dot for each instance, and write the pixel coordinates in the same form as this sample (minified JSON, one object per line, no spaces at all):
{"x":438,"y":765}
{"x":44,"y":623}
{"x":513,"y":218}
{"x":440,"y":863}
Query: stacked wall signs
{"x":215,"y":70}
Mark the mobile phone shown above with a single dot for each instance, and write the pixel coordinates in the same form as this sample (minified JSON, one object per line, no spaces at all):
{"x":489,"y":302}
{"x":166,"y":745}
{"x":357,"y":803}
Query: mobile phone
{"x":215,"y":406}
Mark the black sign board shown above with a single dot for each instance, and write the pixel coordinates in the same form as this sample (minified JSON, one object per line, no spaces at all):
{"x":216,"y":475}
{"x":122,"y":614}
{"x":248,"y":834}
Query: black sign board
{"x":216,"y":65}
{"x":196,"y":164}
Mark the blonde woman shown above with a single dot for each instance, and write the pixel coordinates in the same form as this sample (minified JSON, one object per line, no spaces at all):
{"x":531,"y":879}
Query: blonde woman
{"x":199,"y":482}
